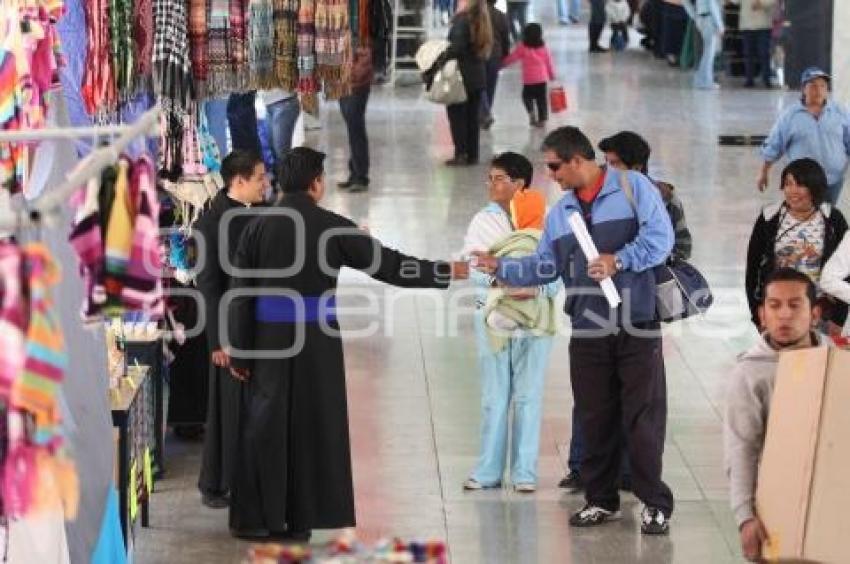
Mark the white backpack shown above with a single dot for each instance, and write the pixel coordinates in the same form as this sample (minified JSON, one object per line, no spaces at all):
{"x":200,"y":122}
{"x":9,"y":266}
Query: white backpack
{"x":447,"y":87}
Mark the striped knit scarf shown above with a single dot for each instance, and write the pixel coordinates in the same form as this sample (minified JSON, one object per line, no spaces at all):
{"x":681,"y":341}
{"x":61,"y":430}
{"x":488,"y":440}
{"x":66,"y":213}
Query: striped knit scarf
{"x":172,"y":73}
{"x":198,"y":45}
{"x":220,"y":73}
{"x":261,"y":43}
{"x":286,"y":43}
{"x":238,"y":50}
{"x":307,"y":82}
{"x":98,"y":89}
{"x":12,"y":322}
{"x":333,"y":47}
{"x":36,"y":390}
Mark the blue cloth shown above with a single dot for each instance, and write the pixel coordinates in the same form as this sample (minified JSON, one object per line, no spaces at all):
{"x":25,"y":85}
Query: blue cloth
{"x":280,"y":121}
{"x":798,"y":134}
{"x":110,"y":544}
{"x":242,"y":120}
{"x":704,"y":75}
{"x":216,"y":111}
{"x":709,"y":8}
{"x":640,"y":245}
{"x":516,"y":373}
{"x":305,"y":309}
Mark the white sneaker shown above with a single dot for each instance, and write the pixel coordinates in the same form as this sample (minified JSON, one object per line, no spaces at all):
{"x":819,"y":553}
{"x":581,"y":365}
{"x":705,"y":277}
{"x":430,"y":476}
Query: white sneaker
{"x":525,"y":488}
{"x":471,"y":484}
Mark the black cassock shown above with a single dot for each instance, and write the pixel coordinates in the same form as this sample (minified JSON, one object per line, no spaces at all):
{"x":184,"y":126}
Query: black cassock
{"x":294,"y":468}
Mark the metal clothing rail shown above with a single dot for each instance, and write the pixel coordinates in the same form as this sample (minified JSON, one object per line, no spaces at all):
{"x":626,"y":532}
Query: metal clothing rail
{"x":33,"y":213}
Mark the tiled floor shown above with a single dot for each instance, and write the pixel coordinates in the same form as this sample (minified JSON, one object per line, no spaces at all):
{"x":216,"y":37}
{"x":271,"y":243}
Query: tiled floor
{"x":413,"y":388}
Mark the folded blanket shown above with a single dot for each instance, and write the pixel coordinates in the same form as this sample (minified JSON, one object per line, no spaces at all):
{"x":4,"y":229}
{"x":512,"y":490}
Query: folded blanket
{"x":537,"y":315}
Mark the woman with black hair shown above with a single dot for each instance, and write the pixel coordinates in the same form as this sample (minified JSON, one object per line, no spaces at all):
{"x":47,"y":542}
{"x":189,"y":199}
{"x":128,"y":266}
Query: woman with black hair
{"x":802,"y":232}
{"x":537,"y":69}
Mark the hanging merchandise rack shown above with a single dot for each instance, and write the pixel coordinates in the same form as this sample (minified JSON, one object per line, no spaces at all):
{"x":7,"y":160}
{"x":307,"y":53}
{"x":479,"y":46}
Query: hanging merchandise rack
{"x":45,"y":207}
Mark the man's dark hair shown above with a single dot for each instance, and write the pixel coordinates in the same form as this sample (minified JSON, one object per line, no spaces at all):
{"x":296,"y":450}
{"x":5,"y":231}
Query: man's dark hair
{"x":632,"y":149}
{"x":239,"y":163}
{"x":532,"y":35}
{"x":568,"y":142}
{"x":786,"y":274}
{"x":809,"y":173}
{"x":298,"y":168}
{"x":514,"y":165}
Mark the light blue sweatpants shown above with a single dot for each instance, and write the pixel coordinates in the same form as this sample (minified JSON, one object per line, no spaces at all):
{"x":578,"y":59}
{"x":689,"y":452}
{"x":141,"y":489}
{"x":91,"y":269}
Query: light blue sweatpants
{"x":515,"y":373}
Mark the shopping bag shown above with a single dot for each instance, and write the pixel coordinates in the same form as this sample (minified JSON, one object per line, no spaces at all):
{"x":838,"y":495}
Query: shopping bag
{"x":558,"y":99}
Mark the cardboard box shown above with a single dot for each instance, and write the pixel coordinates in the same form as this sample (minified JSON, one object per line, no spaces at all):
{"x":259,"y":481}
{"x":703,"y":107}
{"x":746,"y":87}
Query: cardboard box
{"x":803,"y":492}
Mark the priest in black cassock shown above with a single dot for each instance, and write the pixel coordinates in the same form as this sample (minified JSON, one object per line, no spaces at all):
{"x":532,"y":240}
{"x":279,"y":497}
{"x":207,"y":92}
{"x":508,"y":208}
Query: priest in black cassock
{"x":294,"y":469}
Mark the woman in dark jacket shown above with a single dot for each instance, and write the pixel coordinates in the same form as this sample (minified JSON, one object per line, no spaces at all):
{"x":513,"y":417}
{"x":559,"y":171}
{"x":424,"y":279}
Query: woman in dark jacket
{"x":470,"y":42}
{"x":801,"y":232}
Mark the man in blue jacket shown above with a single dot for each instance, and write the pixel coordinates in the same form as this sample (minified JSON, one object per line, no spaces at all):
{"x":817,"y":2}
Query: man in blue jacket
{"x":615,"y":354}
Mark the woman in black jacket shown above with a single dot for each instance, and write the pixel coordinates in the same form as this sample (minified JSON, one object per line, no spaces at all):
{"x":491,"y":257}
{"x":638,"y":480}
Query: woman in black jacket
{"x":801,"y":232}
{"x":470,"y":42}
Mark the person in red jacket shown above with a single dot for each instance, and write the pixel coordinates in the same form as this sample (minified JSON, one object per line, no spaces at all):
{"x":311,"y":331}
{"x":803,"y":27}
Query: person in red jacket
{"x":537,"y":69}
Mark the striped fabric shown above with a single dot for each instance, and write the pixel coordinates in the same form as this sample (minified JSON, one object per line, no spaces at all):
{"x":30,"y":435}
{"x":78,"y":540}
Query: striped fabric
{"x":12,"y":321}
{"x":87,"y":240}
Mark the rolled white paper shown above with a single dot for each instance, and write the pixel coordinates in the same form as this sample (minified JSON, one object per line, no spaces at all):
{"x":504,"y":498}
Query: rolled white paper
{"x":588,"y":247}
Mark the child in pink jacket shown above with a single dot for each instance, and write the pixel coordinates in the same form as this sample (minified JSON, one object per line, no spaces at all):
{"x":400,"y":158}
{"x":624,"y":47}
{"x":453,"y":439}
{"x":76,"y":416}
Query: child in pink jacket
{"x":536,"y":71}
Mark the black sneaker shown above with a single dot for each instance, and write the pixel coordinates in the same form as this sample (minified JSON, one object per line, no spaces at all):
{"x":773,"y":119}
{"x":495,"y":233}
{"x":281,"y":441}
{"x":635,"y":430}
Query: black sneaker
{"x":345,"y":184}
{"x":593,"y":515}
{"x":358,"y":187}
{"x":653,"y":521}
{"x":572,"y":482}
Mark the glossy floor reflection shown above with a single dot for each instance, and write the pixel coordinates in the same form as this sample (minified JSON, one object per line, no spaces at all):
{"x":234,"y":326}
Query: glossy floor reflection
{"x":413,"y":386}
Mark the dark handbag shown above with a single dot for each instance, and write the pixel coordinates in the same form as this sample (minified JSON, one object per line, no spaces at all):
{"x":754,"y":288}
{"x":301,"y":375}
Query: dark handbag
{"x":680,"y":289}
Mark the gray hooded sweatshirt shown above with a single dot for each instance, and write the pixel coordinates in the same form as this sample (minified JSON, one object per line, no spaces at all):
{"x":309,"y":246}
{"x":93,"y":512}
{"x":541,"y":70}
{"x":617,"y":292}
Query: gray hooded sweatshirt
{"x":748,"y":396}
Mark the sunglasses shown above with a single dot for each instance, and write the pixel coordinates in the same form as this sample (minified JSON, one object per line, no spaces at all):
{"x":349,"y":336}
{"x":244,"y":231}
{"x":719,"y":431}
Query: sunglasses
{"x":554,"y":166}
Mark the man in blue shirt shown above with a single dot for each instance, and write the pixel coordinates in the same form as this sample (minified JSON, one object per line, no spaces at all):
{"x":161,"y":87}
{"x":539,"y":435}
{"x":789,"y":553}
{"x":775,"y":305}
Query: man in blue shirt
{"x":814,"y":127}
{"x":615,"y":353}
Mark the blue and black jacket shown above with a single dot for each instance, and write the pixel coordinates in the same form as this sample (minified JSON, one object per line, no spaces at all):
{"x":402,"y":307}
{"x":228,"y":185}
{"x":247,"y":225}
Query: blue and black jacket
{"x":641,"y":237}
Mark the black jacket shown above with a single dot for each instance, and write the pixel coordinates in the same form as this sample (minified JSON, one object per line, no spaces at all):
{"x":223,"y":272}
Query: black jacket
{"x":760,"y":252}
{"x":461,"y":48}
{"x":212,"y":280}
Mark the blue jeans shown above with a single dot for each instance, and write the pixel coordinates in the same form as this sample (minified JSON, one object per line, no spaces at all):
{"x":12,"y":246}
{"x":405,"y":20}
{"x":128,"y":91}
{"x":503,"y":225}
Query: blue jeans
{"x":757,"y":50}
{"x":353,"y":110}
{"x":492,"y":67}
{"x":281,"y":118}
{"x":216,"y":111}
{"x":564,"y":13}
{"x":242,"y":119}
{"x":704,"y":77}
{"x":516,"y":373}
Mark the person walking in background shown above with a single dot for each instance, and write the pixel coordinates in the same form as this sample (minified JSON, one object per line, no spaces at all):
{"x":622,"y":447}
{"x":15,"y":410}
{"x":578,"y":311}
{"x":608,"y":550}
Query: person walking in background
{"x":501,"y":47}
{"x":470,"y":42}
{"x":595,"y":26}
{"x":708,"y":17}
{"x":537,"y":69}
{"x":802,"y":232}
{"x":517,"y":17}
{"x":755,"y":23}
{"x":618,"y":13}
{"x":815,"y":127}
{"x":512,"y":358}
{"x":569,"y":11}
{"x":353,"y":108}
{"x":282,"y":111}
{"x":674,"y":22}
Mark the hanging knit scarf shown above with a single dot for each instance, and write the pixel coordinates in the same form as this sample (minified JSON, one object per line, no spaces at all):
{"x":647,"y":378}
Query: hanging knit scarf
{"x":98,"y":90}
{"x":286,"y":43}
{"x":87,"y":241}
{"x":261,"y":43}
{"x":238,"y":49}
{"x":143,"y":38}
{"x":220,"y":71}
{"x":119,"y":238}
{"x":172,"y":77}
{"x":36,"y":390}
{"x":333,"y":47}
{"x":307,"y":82}
{"x":12,"y":318}
{"x":120,"y":18}
{"x":198,"y":45}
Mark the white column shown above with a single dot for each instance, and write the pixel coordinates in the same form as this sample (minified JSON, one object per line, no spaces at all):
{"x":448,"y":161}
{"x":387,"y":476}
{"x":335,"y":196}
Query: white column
{"x":841,"y":51}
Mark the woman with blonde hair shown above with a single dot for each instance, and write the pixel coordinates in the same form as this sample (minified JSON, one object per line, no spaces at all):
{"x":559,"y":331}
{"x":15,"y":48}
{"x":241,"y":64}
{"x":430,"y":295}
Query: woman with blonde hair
{"x":470,"y":39}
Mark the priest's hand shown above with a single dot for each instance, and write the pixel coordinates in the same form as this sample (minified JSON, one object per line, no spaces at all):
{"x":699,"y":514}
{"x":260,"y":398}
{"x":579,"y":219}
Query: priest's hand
{"x":241,"y":374}
{"x":485,"y":262}
{"x":460,"y":270}
{"x":220,"y":358}
{"x":753,"y":536}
